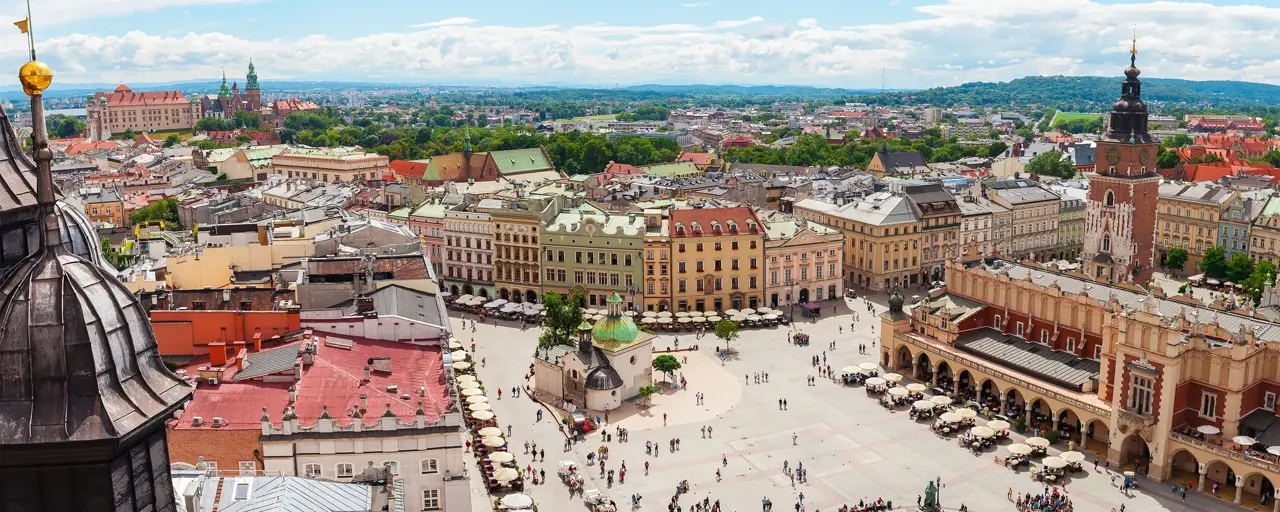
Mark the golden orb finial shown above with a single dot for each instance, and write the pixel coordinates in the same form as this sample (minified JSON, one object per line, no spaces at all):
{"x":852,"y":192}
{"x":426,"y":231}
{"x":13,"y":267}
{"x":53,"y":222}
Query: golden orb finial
{"x":35,"y":76}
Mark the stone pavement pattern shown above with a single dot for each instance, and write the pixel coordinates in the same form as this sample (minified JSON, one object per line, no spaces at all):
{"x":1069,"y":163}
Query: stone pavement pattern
{"x":851,"y":446}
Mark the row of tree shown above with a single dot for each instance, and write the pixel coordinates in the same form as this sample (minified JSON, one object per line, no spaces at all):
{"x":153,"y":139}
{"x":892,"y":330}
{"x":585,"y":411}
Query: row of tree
{"x":1252,"y":276}
{"x":813,"y":150}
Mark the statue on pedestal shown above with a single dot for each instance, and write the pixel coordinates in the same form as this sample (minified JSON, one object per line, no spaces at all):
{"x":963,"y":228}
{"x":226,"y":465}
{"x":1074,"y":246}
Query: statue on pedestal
{"x":930,"y":499}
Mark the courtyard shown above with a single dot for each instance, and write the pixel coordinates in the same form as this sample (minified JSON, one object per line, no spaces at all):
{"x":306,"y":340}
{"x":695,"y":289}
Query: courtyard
{"x":852,"y":448}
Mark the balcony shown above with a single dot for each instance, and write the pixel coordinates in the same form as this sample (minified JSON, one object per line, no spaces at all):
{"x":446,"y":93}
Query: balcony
{"x":1215,"y":447}
{"x":1134,"y":416}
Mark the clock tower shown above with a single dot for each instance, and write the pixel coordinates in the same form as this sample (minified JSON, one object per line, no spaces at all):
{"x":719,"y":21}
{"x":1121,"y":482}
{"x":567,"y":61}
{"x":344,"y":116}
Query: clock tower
{"x":1120,"y":222}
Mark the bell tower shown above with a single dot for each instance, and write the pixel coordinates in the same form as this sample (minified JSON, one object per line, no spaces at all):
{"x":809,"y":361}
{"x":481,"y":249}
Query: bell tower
{"x":1120,"y":222}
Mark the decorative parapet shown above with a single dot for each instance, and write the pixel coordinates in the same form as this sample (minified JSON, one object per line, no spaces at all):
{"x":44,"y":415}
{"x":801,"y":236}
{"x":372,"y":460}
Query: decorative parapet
{"x":386,"y":422}
{"x":995,"y":371}
{"x":1225,"y":452}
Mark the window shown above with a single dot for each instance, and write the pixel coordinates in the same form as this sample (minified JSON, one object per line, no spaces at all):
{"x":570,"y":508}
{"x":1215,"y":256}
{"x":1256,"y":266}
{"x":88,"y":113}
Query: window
{"x":698,"y":266}
{"x":733,"y":282}
{"x":1140,"y":393}
{"x":248,"y":468}
{"x":344,"y":470}
{"x":395,"y":466}
{"x":1071,"y":345}
{"x":312,"y":470}
{"x":1044,"y":336}
{"x":1110,"y":200}
{"x":1269,"y":401}
{"x":682,"y":285}
{"x":243,"y":490}
{"x":1097,"y":352}
{"x":1019,"y":328}
{"x":429,"y":466}
{"x":680,"y":265}
{"x":718,"y":246}
{"x":753,"y":281}
{"x":717,"y":284}
{"x":431,"y":499}
{"x":1208,"y":405}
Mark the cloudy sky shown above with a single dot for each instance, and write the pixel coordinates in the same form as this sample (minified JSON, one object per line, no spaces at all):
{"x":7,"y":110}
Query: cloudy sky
{"x":838,"y":43}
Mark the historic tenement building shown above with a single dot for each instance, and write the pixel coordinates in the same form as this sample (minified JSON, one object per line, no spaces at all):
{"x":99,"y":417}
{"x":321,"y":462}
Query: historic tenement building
{"x":122,"y":110}
{"x":1160,"y":385}
{"x":1120,"y":217}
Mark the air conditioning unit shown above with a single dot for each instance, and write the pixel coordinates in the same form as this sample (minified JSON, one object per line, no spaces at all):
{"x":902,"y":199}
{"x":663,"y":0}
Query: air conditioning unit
{"x":197,"y":421}
{"x":219,"y":422}
{"x":213,"y":381}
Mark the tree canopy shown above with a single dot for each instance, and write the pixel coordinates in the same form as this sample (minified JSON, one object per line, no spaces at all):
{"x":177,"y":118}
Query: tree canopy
{"x":1214,"y":262}
{"x":727,"y":331}
{"x":666,"y":363}
{"x":1175,"y":259}
{"x":1052,"y":163}
{"x":563,"y":318}
{"x":163,"y":210}
{"x":61,"y":126}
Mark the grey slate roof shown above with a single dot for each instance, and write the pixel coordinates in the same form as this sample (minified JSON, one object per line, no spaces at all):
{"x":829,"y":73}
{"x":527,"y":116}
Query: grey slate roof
{"x":904,"y":160}
{"x":931,"y":193}
{"x":1062,"y":368}
{"x":268,"y":362}
{"x":1026,"y":195}
{"x":1198,"y":192}
{"x":398,"y":300}
{"x":604,"y":378}
{"x":1264,"y":330}
{"x":292,"y":494}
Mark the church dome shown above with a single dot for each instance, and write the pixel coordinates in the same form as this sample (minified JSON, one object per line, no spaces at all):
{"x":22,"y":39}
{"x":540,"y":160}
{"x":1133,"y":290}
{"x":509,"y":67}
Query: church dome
{"x":78,"y":236}
{"x":603,"y":378}
{"x":616,"y":327}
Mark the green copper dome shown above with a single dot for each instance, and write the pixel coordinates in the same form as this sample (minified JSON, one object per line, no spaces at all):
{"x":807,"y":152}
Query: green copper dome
{"x":619,"y":329}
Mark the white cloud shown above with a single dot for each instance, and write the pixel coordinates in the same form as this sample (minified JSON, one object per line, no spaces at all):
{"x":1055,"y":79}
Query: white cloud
{"x":947,"y":42}
{"x":447,"y":22}
{"x":695,"y":4}
{"x":47,"y":14}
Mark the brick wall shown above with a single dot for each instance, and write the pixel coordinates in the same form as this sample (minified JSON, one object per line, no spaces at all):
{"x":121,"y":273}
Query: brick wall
{"x":227,"y":447}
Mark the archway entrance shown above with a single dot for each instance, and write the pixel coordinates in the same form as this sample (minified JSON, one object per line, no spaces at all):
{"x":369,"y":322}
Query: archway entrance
{"x":516,"y":296}
{"x":1220,"y":480}
{"x":484,"y":292}
{"x":967,"y":391}
{"x":944,"y":378}
{"x":990,"y":395}
{"x":466,"y":288}
{"x":1041,"y":415}
{"x":884,"y":358}
{"x":1255,"y":487}
{"x":1068,"y":426}
{"x":453,"y":290}
{"x":504,"y":294}
{"x":924,"y":369}
{"x":1097,"y":435}
{"x":531,"y":297}
{"x":1014,"y":405}
{"x":804,"y":295}
{"x":904,"y":359}
{"x":1135,"y":455}
{"x":1184,"y":469}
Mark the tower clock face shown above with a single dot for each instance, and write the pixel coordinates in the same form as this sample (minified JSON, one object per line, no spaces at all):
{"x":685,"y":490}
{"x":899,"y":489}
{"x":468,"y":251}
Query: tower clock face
{"x":1144,"y":155}
{"x":1113,"y":155}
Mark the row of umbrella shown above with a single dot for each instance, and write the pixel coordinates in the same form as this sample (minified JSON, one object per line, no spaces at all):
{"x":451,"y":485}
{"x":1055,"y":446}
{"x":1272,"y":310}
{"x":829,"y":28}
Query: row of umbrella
{"x":1211,"y":430}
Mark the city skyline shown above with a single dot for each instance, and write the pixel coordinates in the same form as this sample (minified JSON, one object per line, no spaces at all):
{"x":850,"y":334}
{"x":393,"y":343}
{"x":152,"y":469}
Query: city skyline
{"x":918,"y":43}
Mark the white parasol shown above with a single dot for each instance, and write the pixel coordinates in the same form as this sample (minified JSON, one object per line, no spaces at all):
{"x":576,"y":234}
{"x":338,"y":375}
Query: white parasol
{"x":983,"y":432}
{"x":501,"y":456}
{"x":1019,"y":449}
{"x":916,"y":387}
{"x":739,"y":317}
{"x":493,"y":441}
{"x":1244,"y":440}
{"x":682,"y":314}
{"x":630,"y":313}
{"x":1038,"y":442}
{"x":893,"y":377}
{"x":649,"y":314}
{"x":748,"y":311}
{"x":478,"y":399}
{"x":950,"y":417}
{"x":868,"y":366}
{"x":461,"y":365}
{"x":714,"y":318}
{"x":1054,"y":462}
{"x":648,"y":320}
{"x":482,"y":406}
{"x":466,"y":378}
{"x":753,"y":318}
{"x":1274,"y":450}
{"x":471,"y":392}
{"x":489,"y":432}
{"x":505,"y":474}
{"x":468,"y":384}
{"x":453,"y":345}
{"x":850,"y":369}
{"x":941,"y":400}
{"x":664,"y":320}
{"x":516,"y":502}
{"x":764,"y":309}
{"x":770,"y":316}
{"x":731,"y":312}
{"x":1208,"y":430}
{"x":699,"y":319}
{"x":922,"y":404}
{"x":966,"y":413}
{"x":482,"y":415}
{"x":875,"y":381}
{"x":685,"y":319}
{"x":465,"y":297}
{"x":664,"y":314}
{"x":898,"y":392}
{"x":1072,"y":457}
{"x":696,"y":314}
{"x":591,"y":312}
{"x":458,"y":355}
{"x":998,"y":425}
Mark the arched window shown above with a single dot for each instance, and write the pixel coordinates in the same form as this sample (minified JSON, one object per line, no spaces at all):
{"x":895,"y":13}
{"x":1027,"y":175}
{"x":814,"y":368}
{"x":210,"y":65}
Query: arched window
{"x":1110,"y":199}
{"x":679,"y":228}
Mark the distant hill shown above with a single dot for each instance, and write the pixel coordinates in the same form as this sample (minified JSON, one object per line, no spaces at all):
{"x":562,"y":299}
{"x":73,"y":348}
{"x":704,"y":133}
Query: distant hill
{"x":1086,"y":93}
{"x":748,"y":90}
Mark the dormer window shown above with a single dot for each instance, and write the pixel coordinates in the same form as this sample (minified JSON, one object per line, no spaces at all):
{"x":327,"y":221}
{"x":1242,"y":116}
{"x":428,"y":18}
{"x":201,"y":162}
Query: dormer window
{"x":715,"y":227}
{"x":751,"y":224}
{"x":697,"y":229}
{"x":679,"y":228}
{"x":733,"y":226}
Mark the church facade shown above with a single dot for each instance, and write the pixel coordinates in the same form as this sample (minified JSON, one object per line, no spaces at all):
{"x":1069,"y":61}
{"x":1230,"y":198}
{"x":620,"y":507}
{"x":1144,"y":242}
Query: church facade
{"x":611,"y":362}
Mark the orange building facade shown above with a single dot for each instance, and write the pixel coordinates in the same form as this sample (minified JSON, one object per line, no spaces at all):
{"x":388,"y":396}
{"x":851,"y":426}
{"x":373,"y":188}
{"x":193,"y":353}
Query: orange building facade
{"x":189,"y":333}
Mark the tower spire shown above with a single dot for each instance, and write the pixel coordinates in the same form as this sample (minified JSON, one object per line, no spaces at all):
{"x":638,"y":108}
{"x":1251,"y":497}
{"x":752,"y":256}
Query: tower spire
{"x":1133,"y":49}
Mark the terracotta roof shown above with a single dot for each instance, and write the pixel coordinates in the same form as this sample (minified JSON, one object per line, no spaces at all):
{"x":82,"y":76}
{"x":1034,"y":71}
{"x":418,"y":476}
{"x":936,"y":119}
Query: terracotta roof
{"x":617,"y":168}
{"x":85,"y":147}
{"x":411,"y":168}
{"x":740,"y":215}
{"x":333,"y":380}
{"x":124,"y":97}
{"x":449,"y":167}
{"x":696,"y":158}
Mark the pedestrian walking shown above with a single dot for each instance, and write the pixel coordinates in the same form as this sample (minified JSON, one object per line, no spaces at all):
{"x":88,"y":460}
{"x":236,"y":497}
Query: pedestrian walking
{"x":794,"y":437}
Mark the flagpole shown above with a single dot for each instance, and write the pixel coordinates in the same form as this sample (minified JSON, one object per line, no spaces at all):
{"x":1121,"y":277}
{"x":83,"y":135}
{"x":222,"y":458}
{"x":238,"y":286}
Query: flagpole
{"x":31,"y":42}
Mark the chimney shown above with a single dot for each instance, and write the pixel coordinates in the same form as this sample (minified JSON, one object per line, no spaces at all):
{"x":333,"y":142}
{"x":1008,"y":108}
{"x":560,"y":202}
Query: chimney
{"x":364,"y":402}
{"x":257,"y":342}
{"x":364,"y":305}
{"x":366,"y":376}
{"x":238,"y":347}
{"x":293,"y":393}
{"x":217,"y":354}
{"x":240,"y":357}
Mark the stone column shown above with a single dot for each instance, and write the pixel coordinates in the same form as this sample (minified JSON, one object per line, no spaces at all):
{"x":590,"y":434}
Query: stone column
{"x":1275,"y":501}
{"x":955,"y":386}
{"x":1026,"y":413}
{"x":1055,"y":422}
{"x":1203,"y":470}
{"x":1239,"y":489}
{"x":1084,"y":436}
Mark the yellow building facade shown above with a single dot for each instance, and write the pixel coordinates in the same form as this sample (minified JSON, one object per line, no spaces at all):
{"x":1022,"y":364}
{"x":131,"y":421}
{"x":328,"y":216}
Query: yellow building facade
{"x":717,"y":256}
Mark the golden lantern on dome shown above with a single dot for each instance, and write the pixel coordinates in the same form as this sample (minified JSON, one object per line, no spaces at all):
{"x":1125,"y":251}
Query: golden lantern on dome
{"x":35,"y":77}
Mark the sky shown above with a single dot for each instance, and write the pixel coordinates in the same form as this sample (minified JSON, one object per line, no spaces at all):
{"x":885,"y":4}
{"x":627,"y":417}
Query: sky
{"x":831,"y":43}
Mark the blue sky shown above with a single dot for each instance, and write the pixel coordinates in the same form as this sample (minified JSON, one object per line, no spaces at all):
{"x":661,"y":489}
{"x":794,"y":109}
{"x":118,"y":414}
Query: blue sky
{"x":841,"y":43}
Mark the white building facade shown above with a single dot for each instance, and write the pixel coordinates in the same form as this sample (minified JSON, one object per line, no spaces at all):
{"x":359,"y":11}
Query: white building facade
{"x":468,"y":253}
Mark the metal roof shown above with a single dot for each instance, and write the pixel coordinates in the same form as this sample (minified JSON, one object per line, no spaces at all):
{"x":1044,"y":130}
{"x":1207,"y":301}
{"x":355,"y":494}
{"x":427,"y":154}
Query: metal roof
{"x":1059,"y":367}
{"x":268,"y":362}
{"x":290,"y":494}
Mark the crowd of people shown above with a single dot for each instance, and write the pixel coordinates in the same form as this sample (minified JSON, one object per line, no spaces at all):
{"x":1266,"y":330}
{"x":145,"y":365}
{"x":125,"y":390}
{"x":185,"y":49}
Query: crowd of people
{"x":1048,"y":502}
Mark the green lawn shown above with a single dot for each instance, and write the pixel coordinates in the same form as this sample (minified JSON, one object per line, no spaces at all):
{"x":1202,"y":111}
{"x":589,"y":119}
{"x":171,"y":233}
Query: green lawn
{"x":1066,"y":117}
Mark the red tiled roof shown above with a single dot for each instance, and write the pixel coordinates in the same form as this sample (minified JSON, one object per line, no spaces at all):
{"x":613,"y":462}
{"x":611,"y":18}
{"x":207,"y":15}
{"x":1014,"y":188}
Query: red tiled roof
{"x":617,"y":168}
{"x":741,"y":215}
{"x":412,"y":168}
{"x":333,"y":380}
{"x":125,"y":97}
{"x":84,"y":147}
{"x":696,"y":158}
{"x":1207,"y":172}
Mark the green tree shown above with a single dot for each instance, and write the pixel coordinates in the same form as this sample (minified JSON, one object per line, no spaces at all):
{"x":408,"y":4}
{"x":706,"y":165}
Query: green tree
{"x":1179,"y":140}
{"x":646,"y":392}
{"x":165,"y":210}
{"x":563,"y":319}
{"x":996,"y":149}
{"x":1272,"y":157}
{"x":172,"y":140}
{"x":1175,"y":259}
{"x":213,"y":124}
{"x":1052,"y":163}
{"x":1214,"y":263}
{"x":62,"y":126}
{"x":247,"y":120}
{"x":1239,"y":267}
{"x":727,"y":331}
{"x":666,"y":363}
{"x":1166,"y":159}
{"x":1264,"y":274}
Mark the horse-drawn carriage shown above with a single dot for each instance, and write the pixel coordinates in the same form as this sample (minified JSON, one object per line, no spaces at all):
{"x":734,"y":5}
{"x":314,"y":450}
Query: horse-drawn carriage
{"x":597,"y":501}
